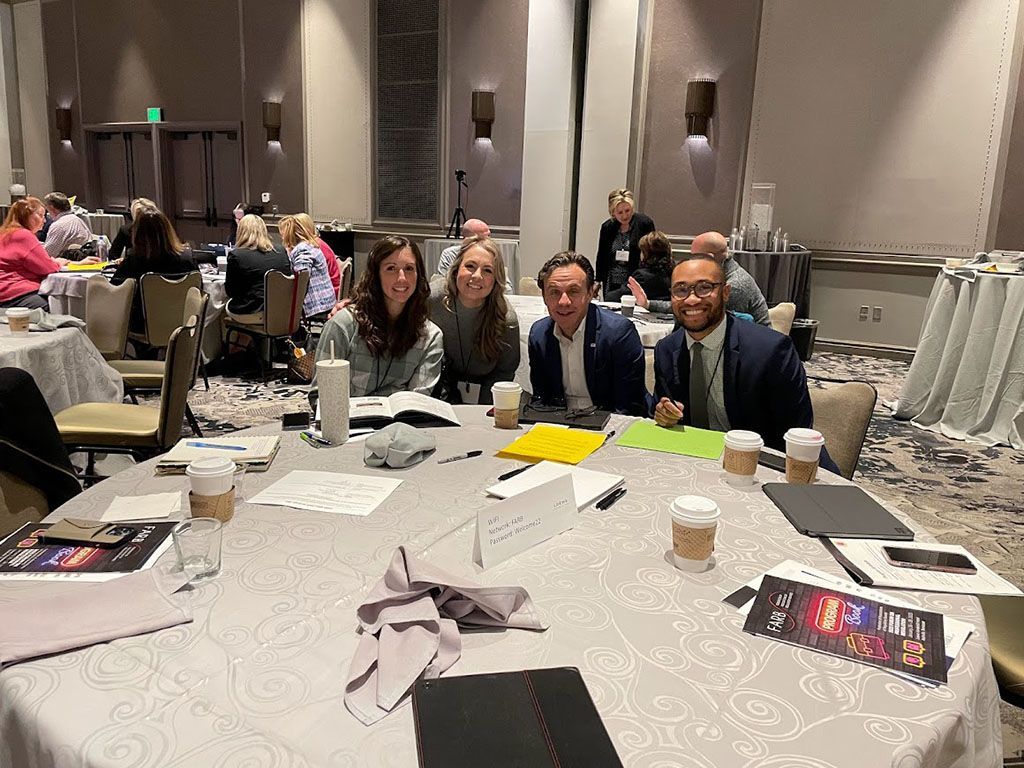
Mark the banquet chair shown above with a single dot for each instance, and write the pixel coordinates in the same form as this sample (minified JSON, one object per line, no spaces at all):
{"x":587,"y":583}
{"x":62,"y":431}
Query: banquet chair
{"x":145,"y":376}
{"x":162,"y":301}
{"x":20,"y":503}
{"x":137,"y":430}
{"x":842,"y":414}
{"x":1004,"y":619}
{"x":528,"y":286}
{"x":107,"y":310}
{"x":781,"y":316}
{"x":346,"y":272}
{"x":282,"y":312}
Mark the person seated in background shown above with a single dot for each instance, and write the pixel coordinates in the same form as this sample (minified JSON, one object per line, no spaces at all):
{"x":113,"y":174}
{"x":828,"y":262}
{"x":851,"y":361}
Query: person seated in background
{"x":717,"y":372}
{"x":309,"y":230}
{"x":618,"y":244}
{"x":67,"y":229}
{"x":155,"y":248}
{"x":480,"y":329}
{"x":123,"y":238}
{"x":305,"y":256}
{"x":744,"y":295}
{"x":655,"y":273}
{"x":24,"y":263}
{"x":251,"y":258}
{"x":583,"y":355}
{"x":384,"y":332}
{"x":240,"y":210}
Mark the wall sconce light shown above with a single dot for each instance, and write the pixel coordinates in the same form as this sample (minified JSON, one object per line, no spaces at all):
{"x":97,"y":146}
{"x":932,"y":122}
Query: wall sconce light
{"x":272,"y":120}
{"x":64,"y":123}
{"x":700,"y":104}
{"x":483,"y":113}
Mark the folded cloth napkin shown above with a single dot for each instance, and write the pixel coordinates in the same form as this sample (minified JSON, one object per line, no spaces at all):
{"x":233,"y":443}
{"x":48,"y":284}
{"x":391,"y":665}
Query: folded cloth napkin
{"x":41,"y":320}
{"x":135,"y":604}
{"x":398,"y":445}
{"x":410,"y":626}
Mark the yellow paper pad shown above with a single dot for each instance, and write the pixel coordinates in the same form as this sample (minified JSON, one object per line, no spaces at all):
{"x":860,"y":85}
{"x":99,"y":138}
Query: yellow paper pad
{"x":75,"y":267}
{"x":689,"y":441}
{"x":569,"y":446}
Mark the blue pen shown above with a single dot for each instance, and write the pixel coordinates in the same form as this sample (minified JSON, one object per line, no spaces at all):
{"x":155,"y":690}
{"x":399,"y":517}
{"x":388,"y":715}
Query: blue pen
{"x":195,"y":444}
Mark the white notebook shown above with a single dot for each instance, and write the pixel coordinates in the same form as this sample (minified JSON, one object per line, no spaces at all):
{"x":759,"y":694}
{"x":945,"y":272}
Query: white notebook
{"x":588,"y":485}
{"x":254,"y":452}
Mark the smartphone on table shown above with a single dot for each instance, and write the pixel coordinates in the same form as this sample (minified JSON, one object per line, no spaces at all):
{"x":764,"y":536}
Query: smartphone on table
{"x":930,"y":560}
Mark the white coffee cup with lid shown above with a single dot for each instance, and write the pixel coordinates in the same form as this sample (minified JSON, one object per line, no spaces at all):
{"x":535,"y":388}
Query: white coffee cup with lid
{"x":739,"y":459}
{"x":18,"y":318}
{"x":694,"y":524}
{"x":211,"y":477}
{"x":803,"y":452}
{"x":628,"y":304}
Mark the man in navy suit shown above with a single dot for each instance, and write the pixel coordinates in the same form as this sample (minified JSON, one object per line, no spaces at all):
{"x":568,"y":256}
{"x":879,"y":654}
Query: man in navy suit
{"x":583,"y":355}
{"x":721,"y":373}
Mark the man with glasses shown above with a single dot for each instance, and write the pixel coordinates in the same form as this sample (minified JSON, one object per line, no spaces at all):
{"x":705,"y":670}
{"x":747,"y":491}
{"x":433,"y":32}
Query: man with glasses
{"x":583,"y":356}
{"x":717,"y":372}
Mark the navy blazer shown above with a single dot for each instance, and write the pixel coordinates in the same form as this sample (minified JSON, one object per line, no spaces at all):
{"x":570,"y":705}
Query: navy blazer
{"x":613,"y":362}
{"x":765,"y":386}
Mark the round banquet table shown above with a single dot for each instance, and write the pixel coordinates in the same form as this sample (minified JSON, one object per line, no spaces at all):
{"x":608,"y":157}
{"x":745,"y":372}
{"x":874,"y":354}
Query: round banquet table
{"x":66,"y":366}
{"x":257,"y":678}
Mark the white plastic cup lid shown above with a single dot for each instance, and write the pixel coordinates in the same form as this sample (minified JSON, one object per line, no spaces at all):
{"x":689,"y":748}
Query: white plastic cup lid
{"x":628,"y":301}
{"x":18,"y":312}
{"x":212,"y":467}
{"x":695,"y":508}
{"x":802,"y":436}
{"x":742,"y":440}
{"x":506,"y":386}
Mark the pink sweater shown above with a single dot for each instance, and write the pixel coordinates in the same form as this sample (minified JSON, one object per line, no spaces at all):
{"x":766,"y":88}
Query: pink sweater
{"x":23,"y":264}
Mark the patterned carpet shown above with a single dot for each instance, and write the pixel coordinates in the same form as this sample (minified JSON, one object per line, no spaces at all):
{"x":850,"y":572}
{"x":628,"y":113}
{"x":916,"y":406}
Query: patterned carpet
{"x":963,"y":493}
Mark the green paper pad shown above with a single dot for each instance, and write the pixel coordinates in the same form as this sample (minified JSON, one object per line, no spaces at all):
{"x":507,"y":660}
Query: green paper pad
{"x":701,"y":443}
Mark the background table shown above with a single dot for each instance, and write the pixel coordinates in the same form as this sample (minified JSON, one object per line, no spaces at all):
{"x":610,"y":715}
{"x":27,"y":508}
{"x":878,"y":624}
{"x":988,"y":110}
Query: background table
{"x":530,"y":309}
{"x":257,"y":678}
{"x":67,"y":367}
{"x":104,"y":223}
{"x":967,"y":377}
{"x":781,"y":276}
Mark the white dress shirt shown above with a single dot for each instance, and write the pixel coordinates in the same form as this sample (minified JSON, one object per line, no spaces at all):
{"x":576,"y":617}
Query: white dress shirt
{"x":713,"y":358}
{"x":574,"y":378}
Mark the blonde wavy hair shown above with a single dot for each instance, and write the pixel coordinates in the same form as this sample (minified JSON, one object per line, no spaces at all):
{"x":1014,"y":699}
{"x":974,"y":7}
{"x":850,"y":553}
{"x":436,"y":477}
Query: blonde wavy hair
{"x":293,"y":232}
{"x":490,"y":333}
{"x":617,"y":196}
{"x":252,"y":233}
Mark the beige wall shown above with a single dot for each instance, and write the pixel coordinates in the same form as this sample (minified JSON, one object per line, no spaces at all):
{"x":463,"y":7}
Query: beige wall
{"x":487,"y":51}
{"x":689,"y":187}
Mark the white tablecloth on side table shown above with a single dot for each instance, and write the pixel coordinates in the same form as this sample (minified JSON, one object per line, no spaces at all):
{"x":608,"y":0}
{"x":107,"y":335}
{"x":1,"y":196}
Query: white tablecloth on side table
{"x":67,"y":367}
{"x":967,"y":377}
{"x":257,"y":678}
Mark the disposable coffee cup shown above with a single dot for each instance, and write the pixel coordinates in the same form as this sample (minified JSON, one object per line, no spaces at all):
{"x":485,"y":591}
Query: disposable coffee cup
{"x":211,"y":477}
{"x":18,"y":319}
{"x":739,"y":459}
{"x":628,"y":305}
{"x":506,"y":395}
{"x":694,"y":523}
{"x":803,"y":452}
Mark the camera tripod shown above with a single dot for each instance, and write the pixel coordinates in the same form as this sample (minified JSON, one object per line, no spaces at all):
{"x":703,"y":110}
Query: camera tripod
{"x":459,"y":217}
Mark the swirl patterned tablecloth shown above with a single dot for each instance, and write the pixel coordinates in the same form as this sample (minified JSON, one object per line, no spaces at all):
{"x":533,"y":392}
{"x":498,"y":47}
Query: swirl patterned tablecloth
{"x":257,"y":678}
{"x":67,"y":367}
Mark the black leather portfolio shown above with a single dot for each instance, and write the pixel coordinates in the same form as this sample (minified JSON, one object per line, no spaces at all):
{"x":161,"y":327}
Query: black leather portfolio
{"x":837,"y":511}
{"x":532,"y":718}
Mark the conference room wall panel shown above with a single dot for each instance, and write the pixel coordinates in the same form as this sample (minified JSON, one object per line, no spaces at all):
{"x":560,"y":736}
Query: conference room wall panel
{"x":1010,"y":226}
{"x":67,"y":158}
{"x":487,"y":51}
{"x":691,"y":186}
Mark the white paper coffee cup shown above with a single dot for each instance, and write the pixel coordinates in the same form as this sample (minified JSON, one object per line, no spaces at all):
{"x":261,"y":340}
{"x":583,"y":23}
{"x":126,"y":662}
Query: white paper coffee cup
{"x":628,"y":304}
{"x":506,"y":395}
{"x":18,"y":319}
{"x":739,"y":459}
{"x":694,"y":524}
{"x":211,"y":477}
{"x":803,"y":452}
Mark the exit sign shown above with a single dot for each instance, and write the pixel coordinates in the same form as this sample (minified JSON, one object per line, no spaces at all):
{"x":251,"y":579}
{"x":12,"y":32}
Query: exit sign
{"x":154,"y":114}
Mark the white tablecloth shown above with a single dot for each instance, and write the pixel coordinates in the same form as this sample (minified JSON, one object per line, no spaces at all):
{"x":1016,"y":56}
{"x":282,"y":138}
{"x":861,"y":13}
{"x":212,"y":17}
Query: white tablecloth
{"x":104,"y":223}
{"x":67,"y":367}
{"x":257,"y":678}
{"x":66,"y":293}
{"x":967,"y":377}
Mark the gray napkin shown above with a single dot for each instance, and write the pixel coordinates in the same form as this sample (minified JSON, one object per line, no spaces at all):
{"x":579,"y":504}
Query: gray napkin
{"x":41,"y":320}
{"x":410,"y":626}
{"x":398,"y":445}
{"x":135,"y":604}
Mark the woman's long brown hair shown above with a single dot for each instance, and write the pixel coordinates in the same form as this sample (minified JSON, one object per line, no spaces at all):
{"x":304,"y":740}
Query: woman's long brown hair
{"x":371,"y":311}
{"x":490,"y":334}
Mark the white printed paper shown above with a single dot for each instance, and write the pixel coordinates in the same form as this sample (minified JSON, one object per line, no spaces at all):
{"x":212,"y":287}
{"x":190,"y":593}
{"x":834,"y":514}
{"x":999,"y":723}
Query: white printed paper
{"x":333,"y":492}
{"x":514,"y":525}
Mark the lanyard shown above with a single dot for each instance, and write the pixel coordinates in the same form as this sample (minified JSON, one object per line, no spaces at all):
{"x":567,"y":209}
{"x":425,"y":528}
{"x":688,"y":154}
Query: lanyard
{"x":378,"y":380}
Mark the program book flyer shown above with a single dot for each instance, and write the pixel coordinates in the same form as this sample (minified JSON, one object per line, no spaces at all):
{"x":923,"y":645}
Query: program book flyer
{"x":898,"y":638}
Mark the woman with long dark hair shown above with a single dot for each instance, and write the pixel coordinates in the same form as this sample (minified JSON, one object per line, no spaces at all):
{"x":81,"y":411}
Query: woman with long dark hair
{"x":481,"y":331}
{"x":384,"y":333}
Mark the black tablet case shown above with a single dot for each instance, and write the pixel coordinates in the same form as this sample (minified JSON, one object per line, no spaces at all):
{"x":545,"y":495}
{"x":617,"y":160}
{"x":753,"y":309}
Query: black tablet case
{"x":836,"y":511}
{"x":532,"y":718}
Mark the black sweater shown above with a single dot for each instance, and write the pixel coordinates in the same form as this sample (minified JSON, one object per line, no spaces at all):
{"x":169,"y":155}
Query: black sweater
{"x":244,"y":279}
{"x":639,"y":226}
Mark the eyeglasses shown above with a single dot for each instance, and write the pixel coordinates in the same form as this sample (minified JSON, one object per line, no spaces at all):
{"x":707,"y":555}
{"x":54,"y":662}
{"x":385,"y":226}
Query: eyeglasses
{"x":702,"y":289}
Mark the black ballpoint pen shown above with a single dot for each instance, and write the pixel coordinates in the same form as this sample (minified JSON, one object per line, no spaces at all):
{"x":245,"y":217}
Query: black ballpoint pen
{"x":514,"y":472}
{"x":611,"y":498}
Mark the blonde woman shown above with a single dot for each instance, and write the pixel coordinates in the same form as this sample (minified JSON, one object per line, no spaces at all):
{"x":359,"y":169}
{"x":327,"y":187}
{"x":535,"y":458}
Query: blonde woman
{"x":309,"y":230}
{"x":305,"y":256}
{"x":253,"y":255}
{"x":618,"y":245}
{"x":481,"y":331}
